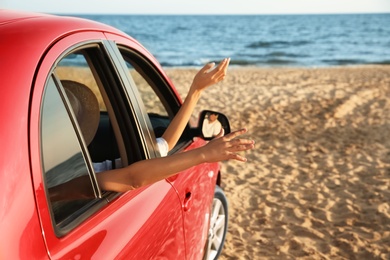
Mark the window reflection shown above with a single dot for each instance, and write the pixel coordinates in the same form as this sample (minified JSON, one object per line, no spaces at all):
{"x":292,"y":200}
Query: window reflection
{"x":61,"y":152}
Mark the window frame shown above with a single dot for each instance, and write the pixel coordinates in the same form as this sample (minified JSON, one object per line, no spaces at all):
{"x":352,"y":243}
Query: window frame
{"x":165,"y":93}
{"x":133,"y":122}
{"x":126,"y":111}
{"x":62,"y":226}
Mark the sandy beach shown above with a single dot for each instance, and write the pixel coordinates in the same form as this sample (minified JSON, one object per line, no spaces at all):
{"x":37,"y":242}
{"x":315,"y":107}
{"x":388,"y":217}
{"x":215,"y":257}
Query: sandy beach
{"x":317,"y":184}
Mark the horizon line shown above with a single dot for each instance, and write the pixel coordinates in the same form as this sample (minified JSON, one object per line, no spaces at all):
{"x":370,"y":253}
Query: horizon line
{"x":227,"y":14}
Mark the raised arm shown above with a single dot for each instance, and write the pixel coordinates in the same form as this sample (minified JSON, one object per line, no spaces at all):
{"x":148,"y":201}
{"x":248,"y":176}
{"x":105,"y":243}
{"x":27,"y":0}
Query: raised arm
{"x":207,"y":76}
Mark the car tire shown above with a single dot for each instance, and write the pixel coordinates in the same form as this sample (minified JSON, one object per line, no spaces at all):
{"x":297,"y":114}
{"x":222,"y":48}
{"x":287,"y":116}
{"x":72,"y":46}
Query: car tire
{"x":217,"y":226}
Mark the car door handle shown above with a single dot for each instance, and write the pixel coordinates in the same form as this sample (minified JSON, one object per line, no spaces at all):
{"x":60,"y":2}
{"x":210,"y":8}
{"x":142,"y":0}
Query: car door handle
{"x":187,"y":202}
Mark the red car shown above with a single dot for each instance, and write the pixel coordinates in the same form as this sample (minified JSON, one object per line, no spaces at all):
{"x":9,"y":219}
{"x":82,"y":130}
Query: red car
{"x":182,"y":217}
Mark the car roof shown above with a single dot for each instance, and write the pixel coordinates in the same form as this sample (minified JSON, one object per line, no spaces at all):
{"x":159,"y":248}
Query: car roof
{"x":39,"y":20}
{"x":24,"y":39}
{"x":9,"y":16}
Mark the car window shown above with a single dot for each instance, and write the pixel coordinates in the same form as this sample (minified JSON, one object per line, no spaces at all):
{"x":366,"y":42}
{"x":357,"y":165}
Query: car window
{"x":151,"y":96}
{"x":63,"y":159}
{"x":75,"y":69}
{"x":82,"y":129}
{"x":113,"y":134}
{"x":160,"y":102}
{"x":152,"y":101}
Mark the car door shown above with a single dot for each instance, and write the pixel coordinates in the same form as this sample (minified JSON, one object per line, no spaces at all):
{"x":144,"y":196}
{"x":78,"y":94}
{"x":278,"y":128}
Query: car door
{"x":144,"y":223}
{"x":195,"y":186}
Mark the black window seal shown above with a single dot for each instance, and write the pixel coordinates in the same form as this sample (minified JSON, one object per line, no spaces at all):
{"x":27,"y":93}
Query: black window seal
{"x":131,"y":97}
{"x":170,"y":100}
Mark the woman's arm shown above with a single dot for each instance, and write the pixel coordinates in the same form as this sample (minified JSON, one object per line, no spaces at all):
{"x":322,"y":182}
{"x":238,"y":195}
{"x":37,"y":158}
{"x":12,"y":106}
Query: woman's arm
{"x":149,"y":171}
{"x":203,"y":79}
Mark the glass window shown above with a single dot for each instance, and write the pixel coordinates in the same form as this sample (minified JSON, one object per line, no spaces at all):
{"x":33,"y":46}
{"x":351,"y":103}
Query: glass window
{"x":63,"y":159}
{"x":157,"y":112}
{"x":79,"y":135}
{"x":150,"y":98}
{"x":75,"y":71}
{"x":159,"y":101}
{"x":75,"y":67}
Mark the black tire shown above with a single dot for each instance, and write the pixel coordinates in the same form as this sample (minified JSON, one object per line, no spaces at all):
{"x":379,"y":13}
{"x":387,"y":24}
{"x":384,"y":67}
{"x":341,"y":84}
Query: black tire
{"x":218,"y":225}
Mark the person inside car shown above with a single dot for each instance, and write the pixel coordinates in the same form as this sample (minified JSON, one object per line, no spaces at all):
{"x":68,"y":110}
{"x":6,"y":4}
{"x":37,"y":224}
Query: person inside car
{"x":128,"y":178}
{"x":211,"y":126}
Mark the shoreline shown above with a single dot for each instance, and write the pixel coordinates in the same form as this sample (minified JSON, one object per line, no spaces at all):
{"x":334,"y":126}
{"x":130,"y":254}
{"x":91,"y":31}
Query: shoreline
{"x":233,"y":66}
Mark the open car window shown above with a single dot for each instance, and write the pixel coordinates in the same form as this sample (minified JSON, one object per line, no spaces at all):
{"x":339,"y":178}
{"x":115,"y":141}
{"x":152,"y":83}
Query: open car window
{"x":133,"y":105}
{"x":160,"y":103}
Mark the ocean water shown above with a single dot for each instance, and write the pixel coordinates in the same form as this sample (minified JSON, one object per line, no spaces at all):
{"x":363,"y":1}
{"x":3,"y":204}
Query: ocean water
{"x":260,"y":40}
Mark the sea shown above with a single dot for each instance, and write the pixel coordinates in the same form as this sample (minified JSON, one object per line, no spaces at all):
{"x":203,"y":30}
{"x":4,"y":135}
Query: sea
{"x":260,"y":40}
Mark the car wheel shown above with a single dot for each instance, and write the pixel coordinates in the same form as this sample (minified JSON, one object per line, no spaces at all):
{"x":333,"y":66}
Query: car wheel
{"x":218,"y":225}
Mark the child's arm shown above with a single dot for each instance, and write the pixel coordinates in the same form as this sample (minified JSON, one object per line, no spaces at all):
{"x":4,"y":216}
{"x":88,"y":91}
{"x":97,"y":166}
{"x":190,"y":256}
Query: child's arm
{"x":203,"y":79}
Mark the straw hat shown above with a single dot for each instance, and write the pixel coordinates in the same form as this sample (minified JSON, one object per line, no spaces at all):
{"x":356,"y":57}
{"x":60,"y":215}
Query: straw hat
{"x":85,"y":107}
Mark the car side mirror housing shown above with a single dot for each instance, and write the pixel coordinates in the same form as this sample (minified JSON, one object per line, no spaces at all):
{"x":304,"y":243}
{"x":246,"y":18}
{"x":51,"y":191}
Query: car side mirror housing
{"x":211,"y":123}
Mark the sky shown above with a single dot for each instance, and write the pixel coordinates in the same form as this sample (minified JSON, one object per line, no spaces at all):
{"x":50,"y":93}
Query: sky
{"x":198,"y":6}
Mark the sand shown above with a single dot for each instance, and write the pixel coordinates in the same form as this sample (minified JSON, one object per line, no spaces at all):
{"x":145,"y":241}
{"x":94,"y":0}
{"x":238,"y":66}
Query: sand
{"x":317,"y":184}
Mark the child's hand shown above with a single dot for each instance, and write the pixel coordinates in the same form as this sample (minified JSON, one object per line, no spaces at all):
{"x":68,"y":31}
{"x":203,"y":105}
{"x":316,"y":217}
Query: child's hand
{"x":208,"y":76}
{"x":223,"y":148}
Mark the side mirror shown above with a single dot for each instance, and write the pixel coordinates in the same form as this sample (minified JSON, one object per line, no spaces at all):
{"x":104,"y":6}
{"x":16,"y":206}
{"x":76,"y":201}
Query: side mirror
{"x":211,"y":123}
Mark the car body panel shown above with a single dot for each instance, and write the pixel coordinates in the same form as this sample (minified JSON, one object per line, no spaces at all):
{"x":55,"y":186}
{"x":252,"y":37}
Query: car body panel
{"x":101,"y":229}
{"x":18,"y":215}
{"x":196,"y":208}
{"x":33,"y":42}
